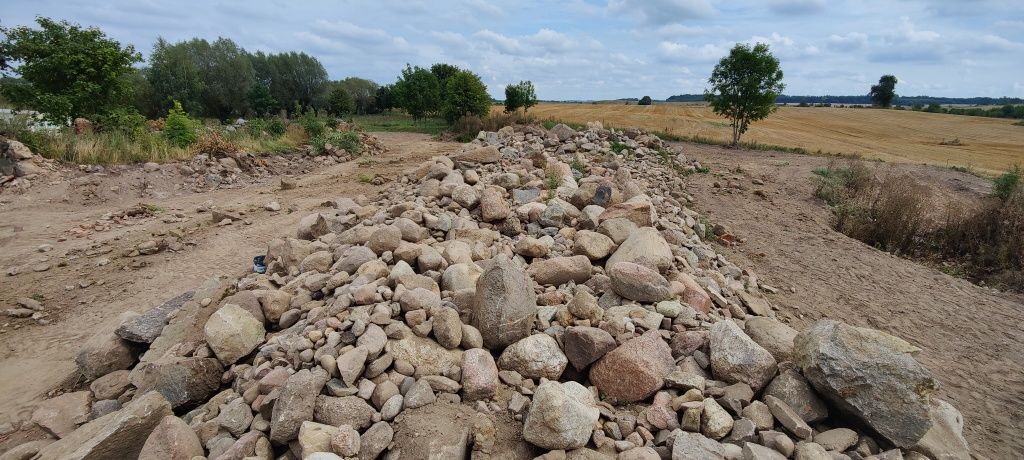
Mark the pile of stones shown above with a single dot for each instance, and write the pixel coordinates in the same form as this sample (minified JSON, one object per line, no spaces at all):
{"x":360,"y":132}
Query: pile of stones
{"x":553,"y":280}
{"x":19,"y":166}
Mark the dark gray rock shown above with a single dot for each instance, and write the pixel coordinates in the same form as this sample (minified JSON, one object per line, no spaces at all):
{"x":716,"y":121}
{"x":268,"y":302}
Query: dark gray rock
{"x":146,"y":327}
{"x":505,"y":305}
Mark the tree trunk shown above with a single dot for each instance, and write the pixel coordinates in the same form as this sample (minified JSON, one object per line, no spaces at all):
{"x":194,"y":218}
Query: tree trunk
{"x":735,"y":133}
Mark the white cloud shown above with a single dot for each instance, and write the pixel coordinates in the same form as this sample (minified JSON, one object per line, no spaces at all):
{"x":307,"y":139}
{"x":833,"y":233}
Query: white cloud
{"x":796,"y":7}
{"x":664,"y":11}
{"x":849,"y":42}
{"x":672,"y":51}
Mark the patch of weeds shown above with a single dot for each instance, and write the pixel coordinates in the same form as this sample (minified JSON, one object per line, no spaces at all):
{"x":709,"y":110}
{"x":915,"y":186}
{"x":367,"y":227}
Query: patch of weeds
{"x":364,"y":178}
{"x":955,"y":142}
{"x":1019,"y":123}
{"x":618,"y":147}
{"x":705,"y":229}
{"x":38,"y":297}
{"x":552,"y":182}
{"x":578,"y":165}
{"x":965,"y":169}
{"x":1006,"y":184}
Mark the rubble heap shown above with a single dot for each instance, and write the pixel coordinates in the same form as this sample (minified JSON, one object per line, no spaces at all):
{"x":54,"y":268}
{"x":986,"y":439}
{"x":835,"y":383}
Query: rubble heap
{"x":553,"y":283}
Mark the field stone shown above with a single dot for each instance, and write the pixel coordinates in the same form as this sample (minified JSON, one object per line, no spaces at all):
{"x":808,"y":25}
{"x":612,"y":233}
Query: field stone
{"x":772,"y":335}
{"x":753,"y":451}
{"x":110,"y":386}
{"x":646,"y":247}
{"x":715,"y":423}
{"x":479,"y":374}
{"x":447,"y":327}
{"x":182,"y":381}
{"x":315,"y":437}
{"x":737,"y":358}
{"x":584,"y":306}
{"x":61,"y":414}
{"x":296,"y":404}
{"x":105,"y":351}
{"x":811,"y":451}
{"x":232,"y":332}
{"x":146,"y":327}
{"x":345,"y":410}
{"x":120,"y":434}
{"x":788,"y":417}
{"x":375,"y":440}
{"x":425,"y":355}
{"x":345,"y":441}
{"x":385,"y":239}
{"x":791,"y":387}
{"x":593,"y":245}
{"x":837,"y":439}
{"x":505,"y":304}
{"x":869,"y":375}
{"x":560,"y":270}
{"x":172,"y":439}
{"x":535,"y":356}
{"x":639,"y":283}
{"x":945,"y":439}
{"x":419,"y":395}
{"x":561,"y":416}
{"x":634,"y":370}
{"x":695,"y":446}
{"x":584,"y":345}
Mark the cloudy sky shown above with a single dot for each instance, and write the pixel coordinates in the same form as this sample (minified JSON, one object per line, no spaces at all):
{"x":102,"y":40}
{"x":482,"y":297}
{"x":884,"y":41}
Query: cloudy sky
{"x":588,"y":49}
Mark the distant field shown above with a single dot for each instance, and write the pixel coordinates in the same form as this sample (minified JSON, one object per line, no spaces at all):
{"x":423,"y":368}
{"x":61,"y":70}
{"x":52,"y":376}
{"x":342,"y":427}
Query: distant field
{"x":989,"y":145}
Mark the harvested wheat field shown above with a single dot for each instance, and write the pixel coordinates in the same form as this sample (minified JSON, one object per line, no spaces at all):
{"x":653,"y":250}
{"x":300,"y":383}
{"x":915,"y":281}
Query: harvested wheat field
{"x":989,"y":145}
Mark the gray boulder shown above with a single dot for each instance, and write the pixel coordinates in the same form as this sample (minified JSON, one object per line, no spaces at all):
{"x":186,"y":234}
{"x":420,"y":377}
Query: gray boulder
{"x":562,"y":416}
{"x":505,"y":305}
{"x":296,"y":404}
{"x":645,"y":247}
{"x":120,"y":434}
{"x":534,"y":357}
{"x":869,"y":375}
{"x":735,"y":358}
{"x":695,"y":446}
{"x":638,"y":282}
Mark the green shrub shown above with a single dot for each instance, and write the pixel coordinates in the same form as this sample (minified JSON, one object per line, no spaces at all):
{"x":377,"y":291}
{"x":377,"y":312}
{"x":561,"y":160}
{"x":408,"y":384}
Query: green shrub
{"x":127,"y":121}
{"x":1007,"y":183}
{"x":313,"y":125}
{"x":20,"y":129}
{"x":275,"y":127}
{"x":180,"y":130}
{"x":348,"y":140}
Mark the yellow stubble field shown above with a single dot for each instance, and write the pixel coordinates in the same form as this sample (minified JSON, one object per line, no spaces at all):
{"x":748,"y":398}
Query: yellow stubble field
{"x":988,"y":145}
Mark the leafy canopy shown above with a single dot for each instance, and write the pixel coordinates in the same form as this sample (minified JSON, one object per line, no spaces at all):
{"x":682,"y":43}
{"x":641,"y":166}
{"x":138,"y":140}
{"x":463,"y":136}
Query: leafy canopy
{"x":465,"y":94}
{"x":884,"y":92}
{"x":66,"y":71}
{"x":418,"y":91}
{"x":646,"y":100}
{"x":340,"y":101}
{"x":519,"y":95}
{"x":744,"y":86}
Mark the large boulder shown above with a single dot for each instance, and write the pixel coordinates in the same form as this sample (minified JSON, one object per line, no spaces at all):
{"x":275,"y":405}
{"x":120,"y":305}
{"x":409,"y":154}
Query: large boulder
{"x":584,"y":345}
{"x":635,"y":370}
{"x":735,"y":358}
{"x":534,"y":357}
{"x":639,"y":283}
{"x":945,"y":439}
{"x":479,"y":374}
{"x":426,"y":355}
{"x":869,"y":375}
{"x":296,"y":404}
{"x":505,"y":305}
{"x":146,"y":327}
{"x":60,"y":415}
{"x":562,"y":416}
{"x":561,"y":270}
{"x":645,"y":247}
{"x":562,"y":132}
{"x":483,"y":155}
{"x":182,"y":381}
{"x":119,"y":434}
{"x":232,"y":332}
{"x":791,"y":387}
{"x":172,"y":439}
{"x":695,"y":446}
{"x":773,"y":335}
{"x":105,"y":351}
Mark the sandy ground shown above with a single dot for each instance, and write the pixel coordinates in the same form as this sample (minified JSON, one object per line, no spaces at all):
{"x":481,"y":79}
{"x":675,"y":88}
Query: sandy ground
{"x":971,"y":336}
{"x":35,"y":358}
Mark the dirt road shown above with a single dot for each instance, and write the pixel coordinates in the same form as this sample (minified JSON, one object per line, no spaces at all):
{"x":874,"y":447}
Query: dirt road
{"x":35,"y":358}
{"x":971,"y":336}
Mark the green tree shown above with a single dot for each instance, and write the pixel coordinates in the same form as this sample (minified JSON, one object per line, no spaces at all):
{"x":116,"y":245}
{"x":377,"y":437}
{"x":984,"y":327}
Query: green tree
{"x":466,"y":95}
{"x":363,"y":92}
{"x":418,"y":91}
{"x":744,"y":86}
{"x":443,"y":72}
{"x":385,"y":99}
{"x":646,"y":100}
{"x":261,"y":102}
{"x":340,"y":101}
{"x":884,"y":92}
{"x":179,"y":129}
{"x":295,"y":80}
{"x":519,"y":95}
{"x":66,"y":71}
{"x":212,"y":79}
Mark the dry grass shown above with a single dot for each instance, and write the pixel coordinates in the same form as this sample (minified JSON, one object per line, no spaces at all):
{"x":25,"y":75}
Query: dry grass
{"x":988,"y":145}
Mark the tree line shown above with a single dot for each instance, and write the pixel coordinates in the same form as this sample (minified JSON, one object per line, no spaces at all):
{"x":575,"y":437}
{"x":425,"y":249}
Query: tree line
{"x":68,"y":71}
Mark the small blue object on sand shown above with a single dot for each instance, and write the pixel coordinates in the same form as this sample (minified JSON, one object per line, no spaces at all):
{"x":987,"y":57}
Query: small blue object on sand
{"x":257,"y":264}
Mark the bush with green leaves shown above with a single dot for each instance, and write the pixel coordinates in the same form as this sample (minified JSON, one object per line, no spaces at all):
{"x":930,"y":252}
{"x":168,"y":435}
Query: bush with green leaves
{"x":347,"y":140}
{"x":179,"y":129}
{"x":519,"y":95}
{"x":1007,"y":183}
{"x":66,"y":71}
{"x":313,"y":125}
{"x":126,"y":121}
